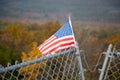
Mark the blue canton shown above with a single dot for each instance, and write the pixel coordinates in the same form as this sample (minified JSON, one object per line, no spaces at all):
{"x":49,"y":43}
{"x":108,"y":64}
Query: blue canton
{"x":65,"y":30}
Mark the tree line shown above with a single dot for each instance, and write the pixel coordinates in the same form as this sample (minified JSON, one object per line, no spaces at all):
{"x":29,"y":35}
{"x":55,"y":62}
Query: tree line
{"x":20,"y":40}
{"x":16,"y":38}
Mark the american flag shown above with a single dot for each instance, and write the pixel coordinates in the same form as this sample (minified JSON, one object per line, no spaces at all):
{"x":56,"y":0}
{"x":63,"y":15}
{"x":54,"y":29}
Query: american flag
{"x":61,"y":40}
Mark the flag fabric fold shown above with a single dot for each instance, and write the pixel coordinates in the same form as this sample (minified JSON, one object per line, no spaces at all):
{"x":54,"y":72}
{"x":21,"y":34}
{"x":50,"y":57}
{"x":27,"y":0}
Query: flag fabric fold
{"x":61,"y":40}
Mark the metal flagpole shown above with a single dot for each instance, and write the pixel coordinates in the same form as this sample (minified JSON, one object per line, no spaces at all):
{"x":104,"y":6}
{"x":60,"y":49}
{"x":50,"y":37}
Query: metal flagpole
{"x":77,"y":52}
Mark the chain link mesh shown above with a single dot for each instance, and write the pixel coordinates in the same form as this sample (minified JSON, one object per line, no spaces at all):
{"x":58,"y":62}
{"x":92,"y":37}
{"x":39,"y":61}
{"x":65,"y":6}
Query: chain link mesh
{"x":62,"y":67}
{"x":114,"y":68}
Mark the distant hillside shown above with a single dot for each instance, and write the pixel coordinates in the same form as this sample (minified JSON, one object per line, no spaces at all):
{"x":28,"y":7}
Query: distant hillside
{"x":81,"y":10}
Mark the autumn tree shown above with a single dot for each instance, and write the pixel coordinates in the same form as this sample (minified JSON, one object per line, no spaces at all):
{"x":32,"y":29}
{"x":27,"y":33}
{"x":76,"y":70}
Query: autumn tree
{"x":115,"y":40}
{"x":30,"y":71}
{"x":14,"y":39}
{"x":41,"y":33}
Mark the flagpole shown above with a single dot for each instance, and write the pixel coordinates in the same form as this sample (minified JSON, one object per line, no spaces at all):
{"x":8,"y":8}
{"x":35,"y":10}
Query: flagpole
{"x":69,"y":18}
{"x":77,"y":52}
{"x":70,"y":24}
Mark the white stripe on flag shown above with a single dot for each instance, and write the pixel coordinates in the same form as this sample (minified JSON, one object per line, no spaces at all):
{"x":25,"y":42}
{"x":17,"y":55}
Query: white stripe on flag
{"x":52,"y":42}
{"x":61,"y":48}
{"x":47,"y":42}
{"x":57,"y":45}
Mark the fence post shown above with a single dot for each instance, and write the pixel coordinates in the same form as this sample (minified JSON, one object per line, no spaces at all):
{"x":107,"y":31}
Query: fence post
{"x":105,"y":62}
{"x":109,"y":63}
{"x":79,"y":61}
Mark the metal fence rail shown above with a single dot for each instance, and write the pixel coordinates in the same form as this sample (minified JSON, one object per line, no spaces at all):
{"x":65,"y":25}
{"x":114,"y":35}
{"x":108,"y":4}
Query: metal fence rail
{"x":62,"y":66}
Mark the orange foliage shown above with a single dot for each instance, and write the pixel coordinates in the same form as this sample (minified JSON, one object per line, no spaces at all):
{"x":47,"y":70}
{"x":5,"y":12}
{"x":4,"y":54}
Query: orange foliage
{"x":31,"y":69}
{"x":14,"y":35}
{"x":115,"y":40}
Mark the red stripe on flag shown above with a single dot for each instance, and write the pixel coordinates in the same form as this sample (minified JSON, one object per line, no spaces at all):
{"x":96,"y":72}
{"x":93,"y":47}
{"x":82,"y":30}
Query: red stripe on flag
{"x":62,"y":45}
{"x":56,"y":42}
{"x":62,"y":48}
{"x":51,"y":47}
{"x":66,"y":45}
{"x":52,"y":38}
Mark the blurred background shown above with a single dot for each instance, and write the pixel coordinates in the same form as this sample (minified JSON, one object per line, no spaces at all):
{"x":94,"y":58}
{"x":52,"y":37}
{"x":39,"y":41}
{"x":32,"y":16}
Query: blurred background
{"x":25,"y":24}
{"x":40,"y":10}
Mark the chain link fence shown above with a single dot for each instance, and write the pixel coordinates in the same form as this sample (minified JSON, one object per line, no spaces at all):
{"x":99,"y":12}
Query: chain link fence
{"x":62,"y":66}
{"x":113,"y":72}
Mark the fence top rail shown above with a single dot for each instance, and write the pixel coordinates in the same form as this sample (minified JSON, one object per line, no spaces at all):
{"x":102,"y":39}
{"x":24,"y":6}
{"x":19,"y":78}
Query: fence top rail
{"x":37,"y":60}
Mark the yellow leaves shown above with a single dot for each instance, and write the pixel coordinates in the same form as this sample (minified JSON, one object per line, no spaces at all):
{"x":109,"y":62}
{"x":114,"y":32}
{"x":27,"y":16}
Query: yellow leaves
{"x":56,"y":78}
{"x":31,"y":69}
{"x":35,"y":52}
{"x":16,"y":36}
{"x":25,"y":57}
{"x":15,"y":30}
{"x":115,"y":40}
{"x":32,"y":54}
